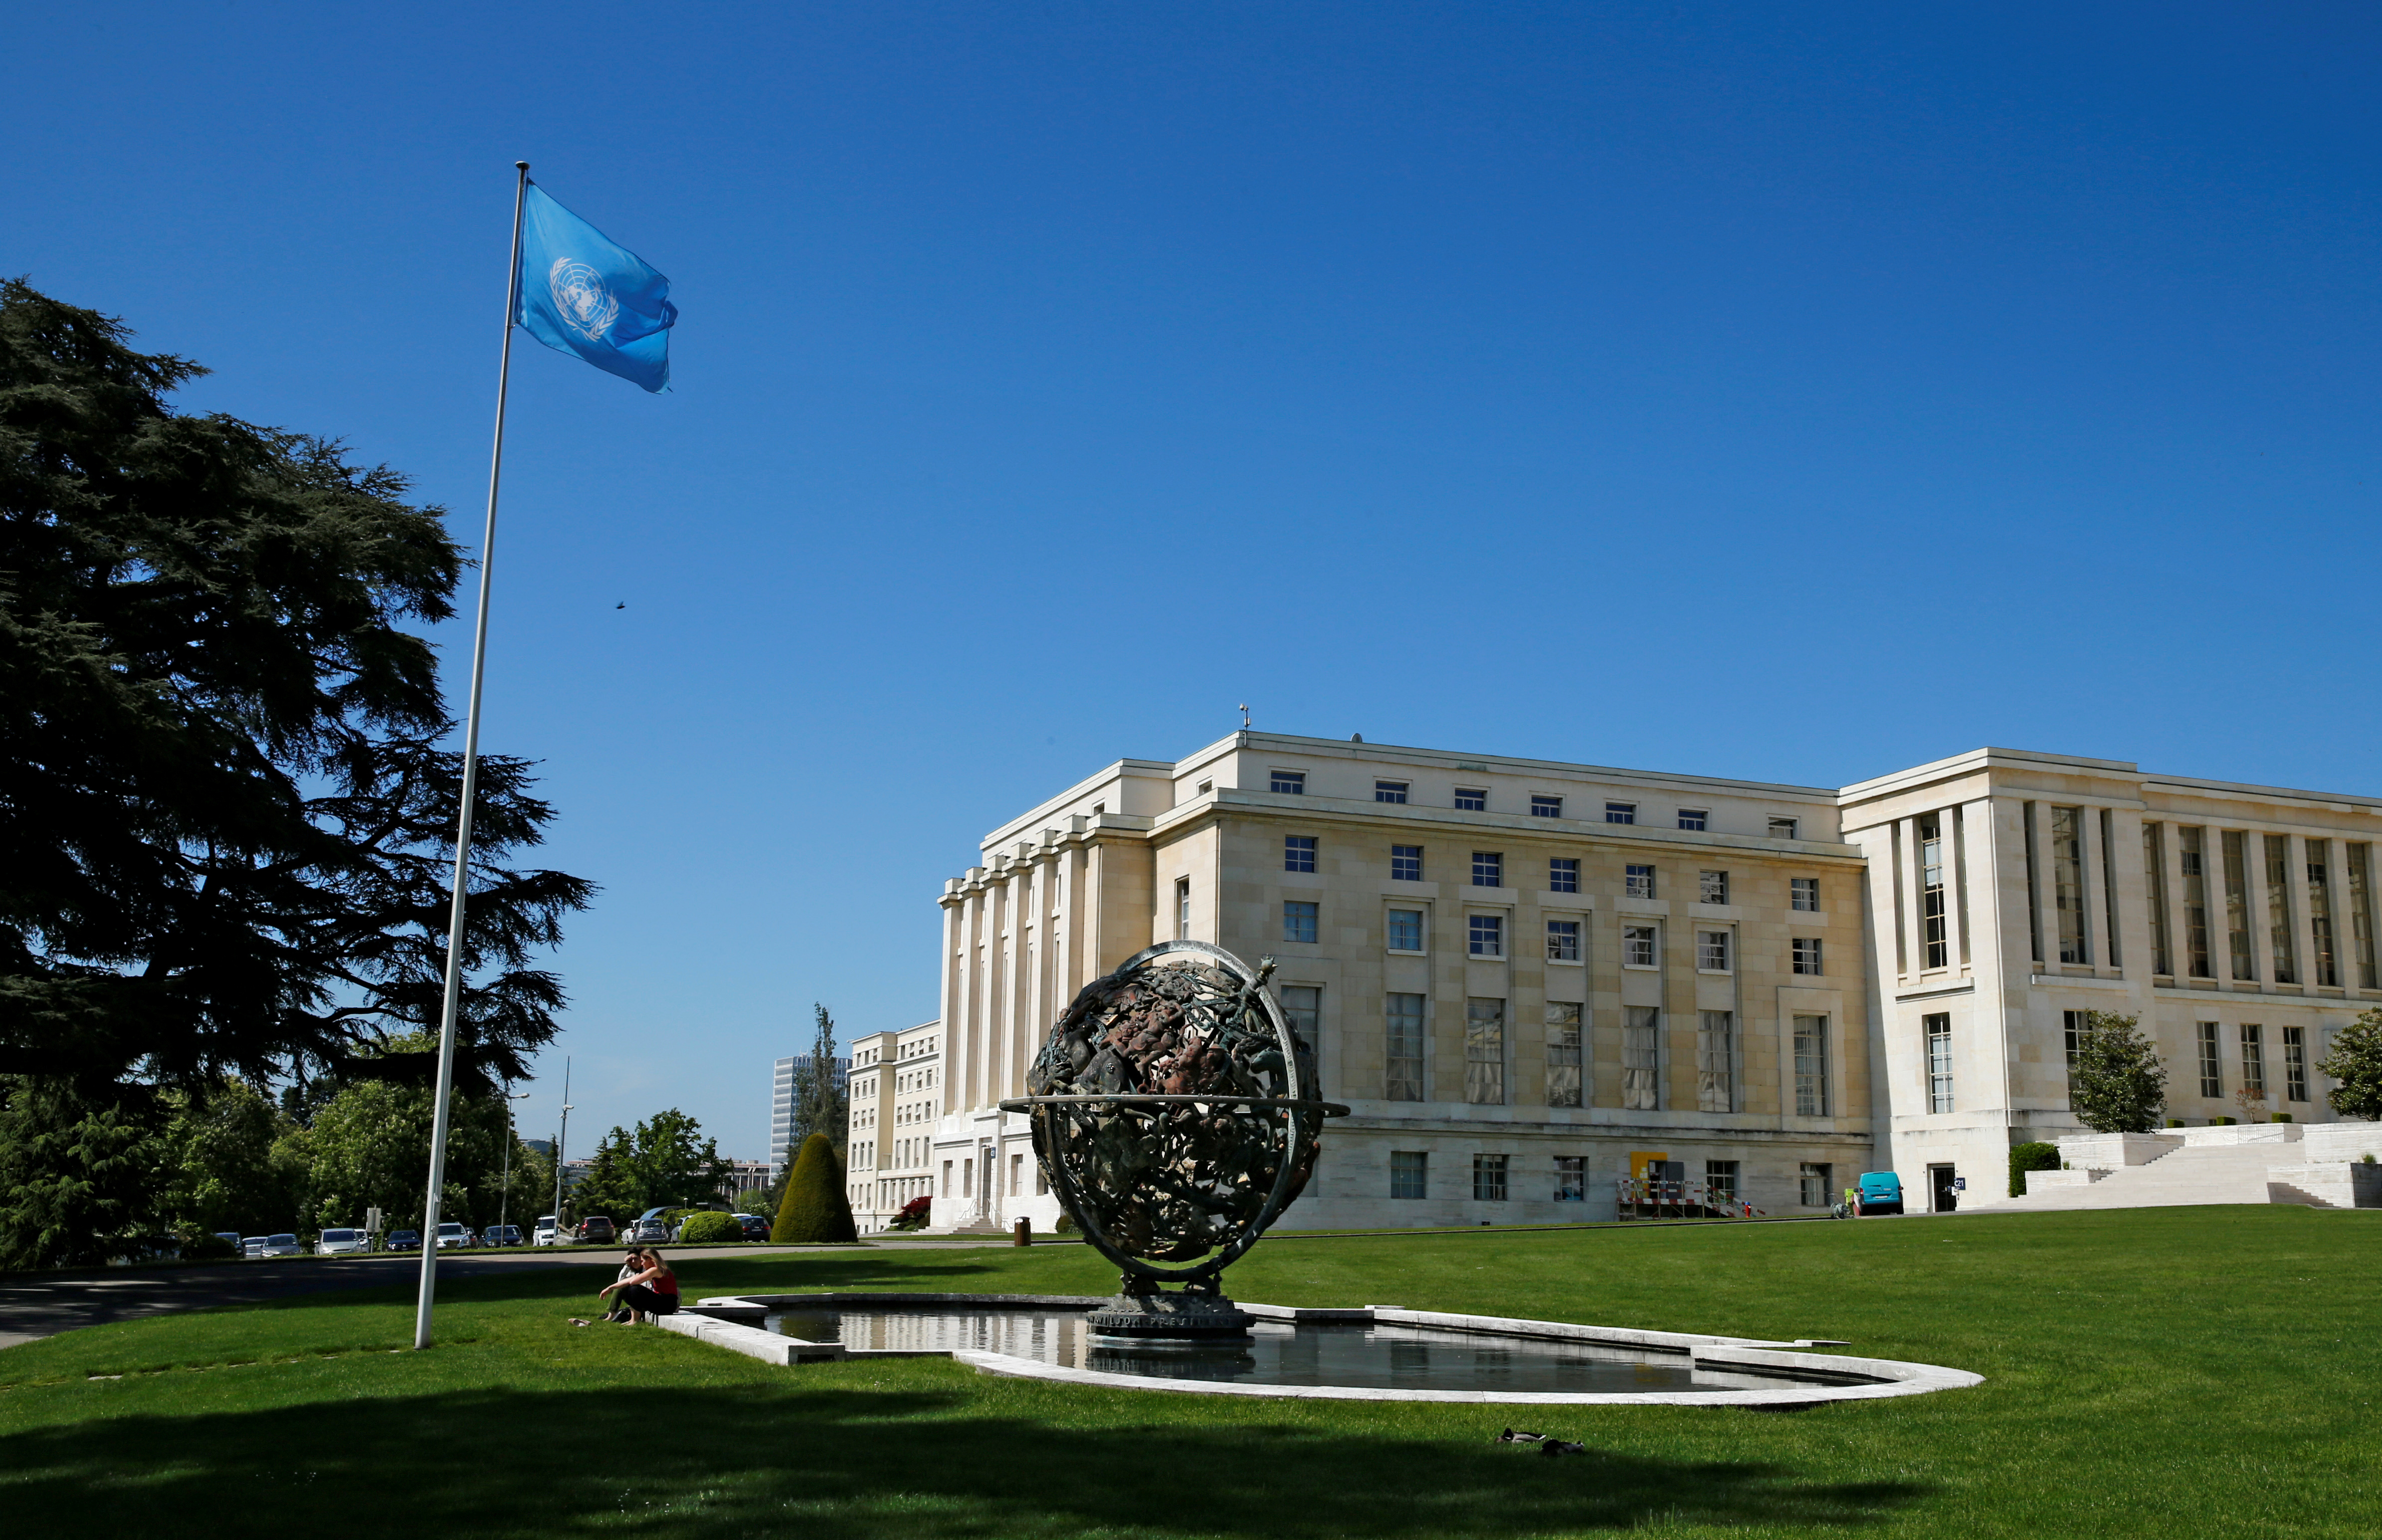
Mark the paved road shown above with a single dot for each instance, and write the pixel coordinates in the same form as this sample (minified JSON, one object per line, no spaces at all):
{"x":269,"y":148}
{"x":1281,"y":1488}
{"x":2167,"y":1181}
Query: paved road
{"x":43,"y":1304}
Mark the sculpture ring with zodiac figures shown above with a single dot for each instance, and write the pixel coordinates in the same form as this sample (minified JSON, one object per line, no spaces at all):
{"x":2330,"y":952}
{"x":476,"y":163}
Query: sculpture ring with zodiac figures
{"x":1176,"y":1114}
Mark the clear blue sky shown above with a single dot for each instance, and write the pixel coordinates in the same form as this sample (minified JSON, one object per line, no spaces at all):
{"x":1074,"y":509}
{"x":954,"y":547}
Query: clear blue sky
{"x":1787,"y":392}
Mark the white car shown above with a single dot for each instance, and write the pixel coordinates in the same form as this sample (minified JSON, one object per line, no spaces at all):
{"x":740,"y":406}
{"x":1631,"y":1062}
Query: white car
{"x":342,"y":1242}
{"x":274,"y":1245}
{"x":547,"y":1232}
{"x":454,"y":1235}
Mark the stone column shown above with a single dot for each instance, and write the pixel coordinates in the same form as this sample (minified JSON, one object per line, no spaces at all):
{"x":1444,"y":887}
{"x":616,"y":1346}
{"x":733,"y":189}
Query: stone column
{"x":2295,"y":867}
{"x":2045,"y":912}
{"x":1956,"y":879}
{"x":2254,"y":879}
{"x":1906,"y":869}
{"x":2098,"y":941}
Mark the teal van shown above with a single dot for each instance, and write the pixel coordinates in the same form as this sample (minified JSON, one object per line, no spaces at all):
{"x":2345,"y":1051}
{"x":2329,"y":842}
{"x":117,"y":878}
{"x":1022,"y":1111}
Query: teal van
{"x":1880,"y":1192}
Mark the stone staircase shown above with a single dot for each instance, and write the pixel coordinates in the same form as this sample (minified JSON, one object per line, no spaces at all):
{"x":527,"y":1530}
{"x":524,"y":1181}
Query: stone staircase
{"x":2252,"y":1164}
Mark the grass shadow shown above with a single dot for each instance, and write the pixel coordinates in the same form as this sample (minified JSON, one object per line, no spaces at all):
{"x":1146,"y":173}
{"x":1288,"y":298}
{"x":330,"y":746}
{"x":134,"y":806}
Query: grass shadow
{"x":855,"y":1464}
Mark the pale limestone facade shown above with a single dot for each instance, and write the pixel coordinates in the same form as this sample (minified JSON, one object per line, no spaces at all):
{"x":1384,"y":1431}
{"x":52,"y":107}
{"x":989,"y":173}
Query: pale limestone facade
{"x":2236,"y":920}
{"x":1770,"y":1011}
{"x":897,"y":1099}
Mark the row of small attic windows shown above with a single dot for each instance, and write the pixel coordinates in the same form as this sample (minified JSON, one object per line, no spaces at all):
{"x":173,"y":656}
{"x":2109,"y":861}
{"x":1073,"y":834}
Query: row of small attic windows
{"x":1470,"y":798}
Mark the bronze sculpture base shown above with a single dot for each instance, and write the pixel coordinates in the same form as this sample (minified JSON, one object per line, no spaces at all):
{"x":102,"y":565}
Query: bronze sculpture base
{"x":1161,"y":1318}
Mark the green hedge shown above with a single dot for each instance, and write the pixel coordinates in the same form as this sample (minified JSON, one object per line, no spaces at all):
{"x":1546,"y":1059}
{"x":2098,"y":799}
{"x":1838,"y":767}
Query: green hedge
{"x":2033,"y":1157}
{"x":815,"y":1209}
{"x":702,"y":1228}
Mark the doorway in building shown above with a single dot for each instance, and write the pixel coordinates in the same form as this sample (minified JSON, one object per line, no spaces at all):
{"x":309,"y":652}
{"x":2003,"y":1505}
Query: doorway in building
{"x":1939,"y":1184}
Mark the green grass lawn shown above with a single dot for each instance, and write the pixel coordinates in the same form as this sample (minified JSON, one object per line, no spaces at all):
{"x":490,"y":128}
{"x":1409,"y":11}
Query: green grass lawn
{"x":2169,"y":1373}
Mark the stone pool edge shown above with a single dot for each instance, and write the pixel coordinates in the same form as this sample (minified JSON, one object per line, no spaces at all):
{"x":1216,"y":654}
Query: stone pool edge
{"x":714,"y":1321}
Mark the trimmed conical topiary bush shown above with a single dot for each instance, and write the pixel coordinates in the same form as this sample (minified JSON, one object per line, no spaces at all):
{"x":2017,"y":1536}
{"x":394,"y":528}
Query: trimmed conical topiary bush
{"x":815,"y":1208}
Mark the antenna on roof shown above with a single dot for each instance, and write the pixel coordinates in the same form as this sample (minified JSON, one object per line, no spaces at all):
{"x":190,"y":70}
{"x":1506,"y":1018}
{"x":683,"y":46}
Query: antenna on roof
{"x":1245,"y":716}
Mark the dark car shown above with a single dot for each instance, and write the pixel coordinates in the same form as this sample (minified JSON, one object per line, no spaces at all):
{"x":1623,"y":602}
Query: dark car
{"x":501,"y":1235}
{"x":596,"y":1229}
{"x":405,"y":1240}
{"x":755,"y":1226}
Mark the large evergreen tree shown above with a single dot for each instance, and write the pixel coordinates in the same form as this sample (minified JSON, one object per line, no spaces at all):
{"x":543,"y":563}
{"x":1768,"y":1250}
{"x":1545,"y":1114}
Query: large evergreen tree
{"x":225,"y":821}
{"x":822,"y":1098}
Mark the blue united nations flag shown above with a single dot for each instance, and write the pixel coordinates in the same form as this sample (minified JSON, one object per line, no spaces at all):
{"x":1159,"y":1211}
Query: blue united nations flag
{"x":581,"y":294}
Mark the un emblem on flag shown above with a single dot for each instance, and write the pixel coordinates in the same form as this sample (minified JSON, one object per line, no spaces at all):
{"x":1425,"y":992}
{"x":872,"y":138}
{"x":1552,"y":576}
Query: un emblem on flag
{"x":581,"y":298}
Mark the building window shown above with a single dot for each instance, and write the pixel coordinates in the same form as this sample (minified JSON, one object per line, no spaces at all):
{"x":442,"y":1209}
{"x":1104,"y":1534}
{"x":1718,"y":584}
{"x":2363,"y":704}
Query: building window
{"x":2295,"y":1064}
{"x":1489,"y":1178}
{"x":2361,"y":914}
{"x":2155,"y":890}
{"x":2237,"y":903}
{"x":1546,"y":807}
{"x":2319,"y":880}
{"x":1292,"y":782}
{"x":1563,"y":875}
{"x":1488,"y":937}
{"x":1298,"y":852}
{"x":1471,"y":799}
{"x":1638,"y":945}
{"x":1405,"y":1049}
{"x":1641,"y":1058}
{"x":2281,"y":949}
{"x":1818,"y":1181}
{"x":1803,"y":894}
{"x":1692,"y":818}
{"x":2212,"y":1062}
{"x":1299,"y":922}
{"x":2190,"y":856}
{"x":1711,"y":951}
{"x":1782,"y":828}
{"x":2067,"y":883}
{"x":1810,"y":1067}
{"x":1807,"y":954}
{"x":1571,"y":1179}
{"x":1406,"y":864}
{"x":1935,"y":924}
{"x":1563,"y":941}
{"x":1405,"y":930}
{"x":1409,"y":1173}
{"x":1638,"y":881}
{"x":1181,"y":908}
{"x":1621,"y":812}
{"x":2254,"y":1058}
{"x":1488,"y":869}
{"x":1939,"y":1062}
{"x":1016,"y":1175}
{"x":1715,"y":1061}
{"x":1389,"y":791}
{"x":1564,"y":1087}
{"x":1720,"y":1183}
{"x":1711,"y":887}
{"x":1484,"y":1052}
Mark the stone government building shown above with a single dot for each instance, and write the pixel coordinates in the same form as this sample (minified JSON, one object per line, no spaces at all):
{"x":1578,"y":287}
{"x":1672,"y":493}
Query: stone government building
{"x":1530,"y":978}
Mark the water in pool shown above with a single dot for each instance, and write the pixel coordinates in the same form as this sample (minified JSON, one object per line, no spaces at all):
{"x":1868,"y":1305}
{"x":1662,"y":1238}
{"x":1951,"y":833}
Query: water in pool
{"x":1374,"y":1357}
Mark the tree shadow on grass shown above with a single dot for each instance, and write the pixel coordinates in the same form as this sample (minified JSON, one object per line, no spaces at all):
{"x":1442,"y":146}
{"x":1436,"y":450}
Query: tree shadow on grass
{"x":841,"y":1465}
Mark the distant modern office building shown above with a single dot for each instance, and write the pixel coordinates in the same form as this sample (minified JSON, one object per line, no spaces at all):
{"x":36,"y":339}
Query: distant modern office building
{"x":781,"y":1106}
{"x":1531,"y":980}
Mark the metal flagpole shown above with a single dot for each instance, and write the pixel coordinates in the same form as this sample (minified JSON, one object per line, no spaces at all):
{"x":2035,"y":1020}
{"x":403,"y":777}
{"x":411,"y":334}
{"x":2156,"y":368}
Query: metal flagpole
{"x":561,"y":1137}
{"x":463,"y":817}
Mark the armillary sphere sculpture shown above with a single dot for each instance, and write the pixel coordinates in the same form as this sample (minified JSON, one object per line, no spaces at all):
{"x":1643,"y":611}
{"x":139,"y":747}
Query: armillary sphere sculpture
{"x":1177,"y":1114}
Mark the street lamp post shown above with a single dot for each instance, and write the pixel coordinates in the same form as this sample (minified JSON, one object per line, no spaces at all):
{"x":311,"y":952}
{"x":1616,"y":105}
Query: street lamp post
{"x":561,"y":1137}
{"x":505,"y":1182}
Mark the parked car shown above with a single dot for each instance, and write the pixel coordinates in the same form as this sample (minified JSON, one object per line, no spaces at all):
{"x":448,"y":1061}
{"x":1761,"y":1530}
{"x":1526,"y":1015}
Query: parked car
{"x":239,"y":1243}
{"x":455,"y":1237}
{"x":650,"y":1229}
{"x":547,"y":1232}
{"x":252,"y":1245}
{"x":342,"y":1242}
{"x":279,"y":1245}
{"x":755,"y":1228}
{"x":405,"y":1240}
{"x":501,"y":1235}
{"x":596,"y":1229}
{"x":1880,"y":1192}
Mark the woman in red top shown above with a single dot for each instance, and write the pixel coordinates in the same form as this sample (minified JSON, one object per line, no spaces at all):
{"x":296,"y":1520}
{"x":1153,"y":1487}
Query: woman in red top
{"x":651,"y":1292}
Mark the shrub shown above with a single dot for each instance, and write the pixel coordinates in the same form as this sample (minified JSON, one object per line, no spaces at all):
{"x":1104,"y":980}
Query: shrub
{"x":2119,"y":1084}
{"x":2220,"y":1122}
{"x":914,"y":1214}
{"x":2355,"y":1066}
{"x":200,"y":1245}
{"x":2034,"y":1155}
{"x":815,"y":1209}
{"x":2282,"y":1117}
{"x":707,"y":1228}
{"x":1066,"y":1225}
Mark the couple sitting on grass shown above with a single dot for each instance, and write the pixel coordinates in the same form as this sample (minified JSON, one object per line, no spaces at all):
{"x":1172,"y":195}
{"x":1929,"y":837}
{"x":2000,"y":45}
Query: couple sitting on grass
{"x":646,"y":1288}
